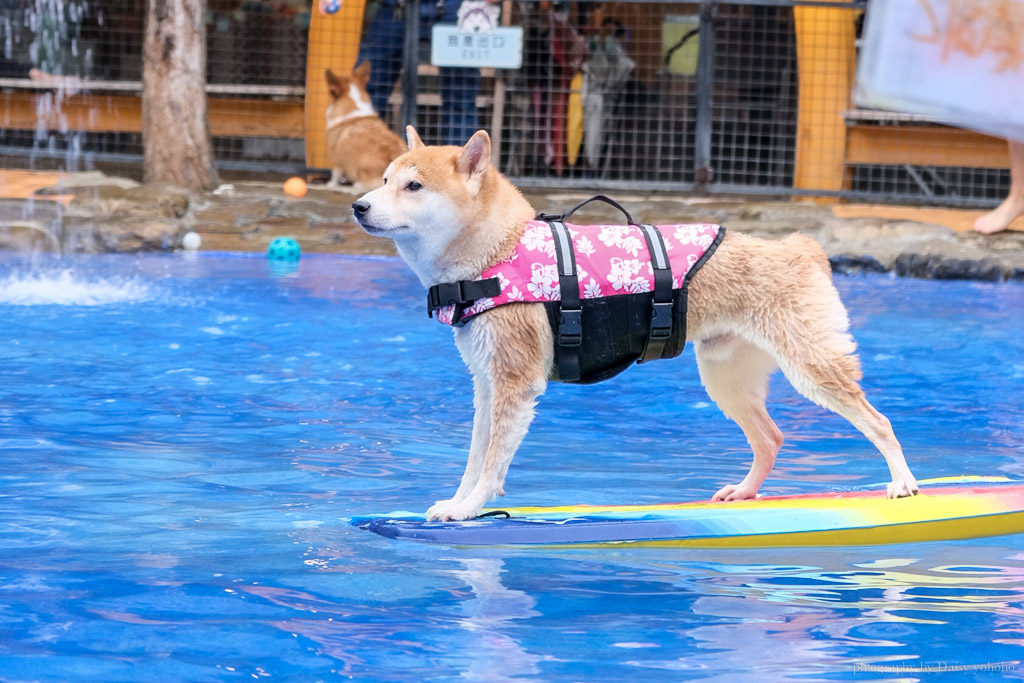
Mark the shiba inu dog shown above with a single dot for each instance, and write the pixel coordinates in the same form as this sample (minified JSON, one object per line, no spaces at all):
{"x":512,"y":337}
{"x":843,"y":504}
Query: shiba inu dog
{"x":360,"y":143}
{"x":754,"y":307}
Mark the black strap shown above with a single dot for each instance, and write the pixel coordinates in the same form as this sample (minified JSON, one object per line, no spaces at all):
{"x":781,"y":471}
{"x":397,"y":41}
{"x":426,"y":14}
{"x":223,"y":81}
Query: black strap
{"x":460,"y":294}
{"x":570,"y":315}
{"x":684,"y":291}
{"x":548,"y":217}
{"x":494,"y":513}
{"x":661,"y":309}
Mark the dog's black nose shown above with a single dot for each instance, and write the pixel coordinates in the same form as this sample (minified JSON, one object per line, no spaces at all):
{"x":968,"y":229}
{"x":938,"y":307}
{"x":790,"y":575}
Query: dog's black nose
{"x":360,"y":206}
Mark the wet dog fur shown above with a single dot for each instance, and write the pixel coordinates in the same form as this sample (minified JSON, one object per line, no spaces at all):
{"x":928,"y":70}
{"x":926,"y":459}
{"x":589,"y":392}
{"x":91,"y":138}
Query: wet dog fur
{"x":452,"y":215}
{"x":360,"y":144}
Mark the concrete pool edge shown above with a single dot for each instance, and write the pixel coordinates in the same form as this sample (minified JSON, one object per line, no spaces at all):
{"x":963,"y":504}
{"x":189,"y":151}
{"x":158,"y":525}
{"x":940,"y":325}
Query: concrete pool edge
{"x":117,"y":215}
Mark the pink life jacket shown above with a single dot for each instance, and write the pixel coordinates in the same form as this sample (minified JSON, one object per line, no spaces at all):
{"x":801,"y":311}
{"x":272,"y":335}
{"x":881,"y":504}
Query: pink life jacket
{"x":610,"y":300}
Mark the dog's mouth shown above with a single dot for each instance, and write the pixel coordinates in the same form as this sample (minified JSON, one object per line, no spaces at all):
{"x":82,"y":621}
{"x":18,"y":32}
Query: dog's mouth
{"x":377,"y":230}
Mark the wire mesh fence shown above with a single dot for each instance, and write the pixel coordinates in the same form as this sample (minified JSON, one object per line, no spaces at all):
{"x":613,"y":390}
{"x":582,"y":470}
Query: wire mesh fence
{"x":256,"y":71}
{"x":728,"y":96}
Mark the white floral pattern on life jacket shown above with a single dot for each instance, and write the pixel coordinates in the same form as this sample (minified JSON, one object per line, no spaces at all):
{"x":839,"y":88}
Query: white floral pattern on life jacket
{"x":610,"y":260}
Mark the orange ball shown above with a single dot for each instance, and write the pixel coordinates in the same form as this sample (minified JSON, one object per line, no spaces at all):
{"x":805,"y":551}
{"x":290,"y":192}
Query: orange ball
{"x":295,"y":187}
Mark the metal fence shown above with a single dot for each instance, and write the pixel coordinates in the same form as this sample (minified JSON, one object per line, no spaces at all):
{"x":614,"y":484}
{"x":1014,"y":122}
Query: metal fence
{"x":675,"y":95}
{"x":744,"y":97}
{"x":256,"y":78}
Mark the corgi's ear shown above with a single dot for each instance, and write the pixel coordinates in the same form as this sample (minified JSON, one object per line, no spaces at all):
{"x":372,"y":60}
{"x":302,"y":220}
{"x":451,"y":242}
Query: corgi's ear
{"x":476,"y":155}
{"x":333,"y":85}
{"x":412,"y":138}
{"x":362,"y":73}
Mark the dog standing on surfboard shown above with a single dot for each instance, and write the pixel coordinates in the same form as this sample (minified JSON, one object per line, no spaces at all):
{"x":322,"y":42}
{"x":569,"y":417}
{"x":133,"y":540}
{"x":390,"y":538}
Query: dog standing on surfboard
{"x":754,"y":307}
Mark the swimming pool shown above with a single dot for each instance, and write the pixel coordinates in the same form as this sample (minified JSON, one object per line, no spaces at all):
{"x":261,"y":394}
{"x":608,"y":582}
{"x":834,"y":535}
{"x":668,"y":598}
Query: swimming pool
{"x":182,"y":442}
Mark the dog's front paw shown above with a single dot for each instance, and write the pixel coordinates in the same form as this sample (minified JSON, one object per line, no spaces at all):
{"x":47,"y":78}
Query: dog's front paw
{"x":902,"y":488}
{"x":452,"y":510}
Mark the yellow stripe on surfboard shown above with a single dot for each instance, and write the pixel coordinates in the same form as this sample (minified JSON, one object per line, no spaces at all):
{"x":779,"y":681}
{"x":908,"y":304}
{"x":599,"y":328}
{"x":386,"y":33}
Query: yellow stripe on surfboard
{"x":823,"y":502}
{"x":916,"y":532}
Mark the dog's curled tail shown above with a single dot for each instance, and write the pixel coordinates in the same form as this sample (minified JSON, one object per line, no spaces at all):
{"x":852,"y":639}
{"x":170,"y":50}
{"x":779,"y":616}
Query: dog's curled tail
{"x":809,"y":247}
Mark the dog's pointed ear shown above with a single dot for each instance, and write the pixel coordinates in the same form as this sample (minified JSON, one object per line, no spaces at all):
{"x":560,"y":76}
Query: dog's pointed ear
{"x":412,"y":138}
{"x":333,"y":84}
{"x":362,"y":73}
{"x":476,"y":155}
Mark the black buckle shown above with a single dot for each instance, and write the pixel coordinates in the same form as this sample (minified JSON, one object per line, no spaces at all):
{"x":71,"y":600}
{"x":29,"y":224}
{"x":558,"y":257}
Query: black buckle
{"x":434,"y":298}
{"x":661,"y":320}
{"x":547,"y":217}
{"x":445,"y":294}
{"x":570,"y":327}
{"x":461,"y":292}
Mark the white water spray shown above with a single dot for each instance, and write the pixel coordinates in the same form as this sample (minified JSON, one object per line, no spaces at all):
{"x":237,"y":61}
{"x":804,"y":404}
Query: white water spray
{"x":66,"y":288}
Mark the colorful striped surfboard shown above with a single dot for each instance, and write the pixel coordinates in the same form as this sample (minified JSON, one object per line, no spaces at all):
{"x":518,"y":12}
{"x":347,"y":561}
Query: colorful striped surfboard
{"x":942,"y":513}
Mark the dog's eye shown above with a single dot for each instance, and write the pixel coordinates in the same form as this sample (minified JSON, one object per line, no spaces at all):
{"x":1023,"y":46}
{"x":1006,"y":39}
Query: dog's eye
{"x":413,"y":186}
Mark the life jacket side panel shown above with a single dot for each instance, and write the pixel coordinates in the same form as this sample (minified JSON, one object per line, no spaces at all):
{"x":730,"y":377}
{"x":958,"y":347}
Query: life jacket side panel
{"x":616,"y":330}
{"x":611,"y":260}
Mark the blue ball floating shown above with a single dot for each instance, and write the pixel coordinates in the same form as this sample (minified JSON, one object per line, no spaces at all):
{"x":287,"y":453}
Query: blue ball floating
{"x":284,"y":249}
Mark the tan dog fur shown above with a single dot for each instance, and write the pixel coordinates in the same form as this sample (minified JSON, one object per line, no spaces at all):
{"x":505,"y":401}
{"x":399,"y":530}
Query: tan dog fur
{"x":360,"y":144}
{"x":452,"y":215}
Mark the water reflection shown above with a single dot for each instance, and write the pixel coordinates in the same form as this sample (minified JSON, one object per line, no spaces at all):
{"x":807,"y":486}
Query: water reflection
{"x":808,"y":615}
{"x":801,"y":620}
{"x":491,"y":653}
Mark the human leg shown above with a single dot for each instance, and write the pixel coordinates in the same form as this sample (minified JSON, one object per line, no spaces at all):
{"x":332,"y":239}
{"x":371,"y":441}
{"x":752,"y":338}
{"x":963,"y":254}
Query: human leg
{"x":382,"y":47}
{"x":459,"y":88}
{"x":1000,"y":218}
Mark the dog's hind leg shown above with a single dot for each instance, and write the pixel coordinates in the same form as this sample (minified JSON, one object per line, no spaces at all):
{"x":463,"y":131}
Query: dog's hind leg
{"x":735,"y":374}
{"x":826,"y":370}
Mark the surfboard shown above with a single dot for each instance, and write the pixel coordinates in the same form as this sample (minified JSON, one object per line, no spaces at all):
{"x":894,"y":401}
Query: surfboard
{"x":845,"y":518}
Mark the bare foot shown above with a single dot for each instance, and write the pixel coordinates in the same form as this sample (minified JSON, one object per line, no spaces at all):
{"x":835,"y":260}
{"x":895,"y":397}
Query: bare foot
{"x":1013,"y":206}
{"x":1000,"y":218}
{"x":739,"y":491}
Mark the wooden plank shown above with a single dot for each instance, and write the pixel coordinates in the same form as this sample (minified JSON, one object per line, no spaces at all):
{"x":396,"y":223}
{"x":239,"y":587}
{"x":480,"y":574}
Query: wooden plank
{"x":25,"y":184}
{"x":925,"y":146}
{"x":961,"y":220}
{"x":257,"y":118}
{"x":123,"y":113}
{"x":825,"y":61}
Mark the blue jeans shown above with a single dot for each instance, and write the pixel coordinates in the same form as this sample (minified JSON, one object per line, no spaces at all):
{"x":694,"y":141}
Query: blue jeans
{"x":382,"y":46}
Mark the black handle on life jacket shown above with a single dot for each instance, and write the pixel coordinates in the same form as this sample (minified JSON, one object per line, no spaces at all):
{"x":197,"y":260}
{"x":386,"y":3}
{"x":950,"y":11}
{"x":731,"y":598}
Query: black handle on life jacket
{"x":595,"y":198}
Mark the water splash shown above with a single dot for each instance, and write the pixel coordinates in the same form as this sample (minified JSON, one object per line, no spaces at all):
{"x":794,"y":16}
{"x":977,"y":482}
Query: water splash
{"x":50,"y":36}
{"x":56,"y":48}
{"x":66,"y":288}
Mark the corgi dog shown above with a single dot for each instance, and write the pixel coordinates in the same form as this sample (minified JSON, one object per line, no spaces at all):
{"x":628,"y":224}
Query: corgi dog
{"x":754,"y":307}
{"x":361,"y":145}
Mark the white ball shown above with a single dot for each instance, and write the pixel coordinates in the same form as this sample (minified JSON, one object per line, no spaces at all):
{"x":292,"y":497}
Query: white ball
{"x":191,"y":241}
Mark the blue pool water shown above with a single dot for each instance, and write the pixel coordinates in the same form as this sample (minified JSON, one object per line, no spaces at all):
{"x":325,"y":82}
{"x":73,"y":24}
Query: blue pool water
{"x":182,"y":442}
